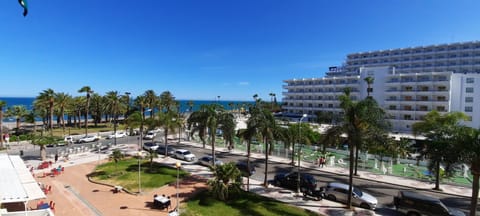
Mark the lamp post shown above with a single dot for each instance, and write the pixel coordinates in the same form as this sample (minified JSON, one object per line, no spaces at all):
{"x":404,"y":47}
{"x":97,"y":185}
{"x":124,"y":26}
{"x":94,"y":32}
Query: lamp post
{"x":299,"y":152}
{"x":139,"y":175}
{"x":178,"y":165}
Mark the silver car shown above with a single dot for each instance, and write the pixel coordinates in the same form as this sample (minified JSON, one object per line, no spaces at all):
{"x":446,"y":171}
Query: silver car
{"x":336,"y":191}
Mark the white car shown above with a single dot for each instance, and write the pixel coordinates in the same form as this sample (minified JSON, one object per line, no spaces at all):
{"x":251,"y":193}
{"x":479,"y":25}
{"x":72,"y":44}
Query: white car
{"x":150,"y":146}
{"x":119,"y":134}
{"x":89,"y":138}
{"x":184,"y":155}
{"x":150,"y":135}
{"x":208,"y":161}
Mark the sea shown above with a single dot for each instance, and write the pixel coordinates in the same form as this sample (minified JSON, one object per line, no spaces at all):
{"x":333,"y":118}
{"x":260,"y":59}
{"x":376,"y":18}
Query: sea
{"x":184,"y":107}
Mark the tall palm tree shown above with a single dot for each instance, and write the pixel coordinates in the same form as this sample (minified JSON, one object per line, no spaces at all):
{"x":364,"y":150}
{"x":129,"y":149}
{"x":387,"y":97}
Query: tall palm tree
{"x":369,"y":81}
{"x":2,"y":105}
{"x":213,"y":112}
{"x":48,"y":97}
{"x":167,"y":101}
{"x":264,"y":122}
{"x":87,"y":90}
{"x":468,"y":143}
{"x":247,"y":135}
{"x":62,"y":101}
{"x":359,"y":118}
{"x":142,"y":103}
{"x":227,"y":126}
{"x":97,"y":104}
{"x":197,"y":121}
{"x":169,"y":122}
{"x":439,"y":146}
{"x":18,"y":112}
{"x":114,"y":107}
{"x":152,"y":100}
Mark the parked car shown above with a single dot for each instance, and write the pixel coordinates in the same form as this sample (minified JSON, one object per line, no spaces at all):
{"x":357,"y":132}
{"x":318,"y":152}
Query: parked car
{"x":150,"y":135}
{"x":153,"y":146}
{"x":290,"y":181}
{"x":336,"y":191}
{"x":161,"y":149}
{"x":242,"y":166}
{"x":415,"y":204}
{"x":88,"y":138}
{"x":69,"y":140}
{"x":208,"y":161}
{"x":184,"y":155}
{"x":119,"y":134}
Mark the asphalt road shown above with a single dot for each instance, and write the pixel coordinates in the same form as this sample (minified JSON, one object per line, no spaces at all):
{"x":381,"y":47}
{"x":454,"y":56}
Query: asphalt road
{"x":382,"y":191}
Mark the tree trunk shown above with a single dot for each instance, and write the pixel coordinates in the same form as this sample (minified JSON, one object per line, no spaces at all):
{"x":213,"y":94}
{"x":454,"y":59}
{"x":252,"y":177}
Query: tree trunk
{"x":356,"y":160}
{"x":437,"y":176}
{"x":475,"y":187}
{"x":350,"y":176}
{"x":248,"y":163}
{"x":265,"y":183}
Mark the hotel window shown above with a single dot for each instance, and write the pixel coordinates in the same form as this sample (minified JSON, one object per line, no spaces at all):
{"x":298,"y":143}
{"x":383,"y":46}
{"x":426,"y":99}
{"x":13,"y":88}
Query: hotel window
{"x":469,"y":99}
{"x":441,"y":98}
{"x":468,"y":109}
{"x":423,"y":108}
{"x":469,"y":118}
{"x":330,"y":105}
{"x":407,"y":117}
{"x":470,"y":80}
{"x":441,"y":108}
{"x":320,"y":105}
{"x":442,"y":88}
{"x":392,"y":107}
{"x":407,"y":108}
{"x":469,"y":90}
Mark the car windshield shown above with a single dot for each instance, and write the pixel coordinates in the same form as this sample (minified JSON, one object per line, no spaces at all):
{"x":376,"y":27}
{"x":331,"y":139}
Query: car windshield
{"x":186,"y":152}
{"x":358,"y":192}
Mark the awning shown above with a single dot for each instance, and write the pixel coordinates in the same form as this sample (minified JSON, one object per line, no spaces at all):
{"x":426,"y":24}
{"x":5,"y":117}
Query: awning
{"x":16,"y":182}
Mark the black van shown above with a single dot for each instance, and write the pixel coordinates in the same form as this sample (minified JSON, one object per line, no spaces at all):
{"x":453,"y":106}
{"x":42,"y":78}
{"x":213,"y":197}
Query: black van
{"x":415,"y":204}
{"x":242,"y":166}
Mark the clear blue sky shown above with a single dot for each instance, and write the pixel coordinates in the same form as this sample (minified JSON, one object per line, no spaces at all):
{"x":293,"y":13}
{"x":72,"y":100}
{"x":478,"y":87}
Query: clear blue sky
{"x":201,"y":49}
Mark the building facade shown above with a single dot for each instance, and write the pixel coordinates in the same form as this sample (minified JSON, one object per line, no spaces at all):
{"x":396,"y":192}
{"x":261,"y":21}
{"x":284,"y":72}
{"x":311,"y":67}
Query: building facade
{"x":408,"y":83}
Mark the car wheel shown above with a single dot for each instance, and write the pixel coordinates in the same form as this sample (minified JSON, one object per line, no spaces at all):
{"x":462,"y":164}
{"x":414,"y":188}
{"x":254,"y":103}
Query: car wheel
{"x":331,"y":197}
{"x":365,"y":206}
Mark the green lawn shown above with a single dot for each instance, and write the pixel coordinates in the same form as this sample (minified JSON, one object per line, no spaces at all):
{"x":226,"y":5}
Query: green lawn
{"x":125,"y":174}
{"x":246,"y":204}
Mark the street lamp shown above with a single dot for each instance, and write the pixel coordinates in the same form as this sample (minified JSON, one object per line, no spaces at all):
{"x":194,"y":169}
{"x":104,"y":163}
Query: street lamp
{"x":139,"y":169}
{"x":299,"y":152}
{"x":178,"y":165}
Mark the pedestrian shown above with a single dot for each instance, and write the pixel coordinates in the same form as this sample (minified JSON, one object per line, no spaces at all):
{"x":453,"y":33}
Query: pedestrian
{"x":322,"y":161}
{"x":7,"y":138}
{"x":56,"y":157}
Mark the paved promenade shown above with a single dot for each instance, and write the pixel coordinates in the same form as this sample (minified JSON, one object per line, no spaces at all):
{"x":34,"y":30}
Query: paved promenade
{"x":72,"y":192}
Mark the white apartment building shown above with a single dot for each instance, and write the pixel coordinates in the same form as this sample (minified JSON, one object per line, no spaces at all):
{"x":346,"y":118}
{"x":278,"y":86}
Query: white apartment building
{"x":408,"y":83}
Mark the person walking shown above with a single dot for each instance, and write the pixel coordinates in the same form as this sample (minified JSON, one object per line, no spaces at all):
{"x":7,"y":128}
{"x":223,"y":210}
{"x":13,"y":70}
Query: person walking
{"x":56,"y":157}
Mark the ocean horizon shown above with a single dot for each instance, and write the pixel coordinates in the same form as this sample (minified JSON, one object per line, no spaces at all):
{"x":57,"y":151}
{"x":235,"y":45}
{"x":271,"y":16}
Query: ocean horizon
{"x":28,"y":103}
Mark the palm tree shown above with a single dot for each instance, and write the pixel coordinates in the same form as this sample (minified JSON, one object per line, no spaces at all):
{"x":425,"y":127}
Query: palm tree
{"x":439,"y":146}
{"x":114,"y":108}
{"x":360,"y":118}
{"x":169,"y":122}
{"x":151,"y":101}
{"x":190,"y":105}
{"x":48,"y":97}
{"x":264,"y":122}
{"x":141,"y":102}
{"x":197,"y":121}
{"x":18,"y":112}
{"x":247,"y":135}
{"x":2,"y":105}
{"x":468,"y":143}
{"x":227,"y":126}
{"x":369,"y":81}
{"x":152,"y":155}
{"x":167,"y":101}
{"x":62,"y":101}
{"x":225,"y":181}
{"x":213,"y":112}
{"x":88,"y":91}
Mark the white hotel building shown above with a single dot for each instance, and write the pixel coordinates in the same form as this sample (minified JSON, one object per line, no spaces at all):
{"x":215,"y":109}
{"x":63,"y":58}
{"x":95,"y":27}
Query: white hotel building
{"x":408,"y":83}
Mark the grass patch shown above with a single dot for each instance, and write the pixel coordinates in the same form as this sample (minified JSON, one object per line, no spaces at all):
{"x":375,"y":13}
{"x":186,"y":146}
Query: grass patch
{"x":125,"y":173}
{"x":244,"y":204}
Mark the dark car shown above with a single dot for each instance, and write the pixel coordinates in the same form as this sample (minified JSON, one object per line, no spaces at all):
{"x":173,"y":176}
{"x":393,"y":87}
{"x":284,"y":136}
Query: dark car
{"x":290,"y":181}
{"x":412,"y":203}
{"x":242,"y":166}
{"x":161,"y":150}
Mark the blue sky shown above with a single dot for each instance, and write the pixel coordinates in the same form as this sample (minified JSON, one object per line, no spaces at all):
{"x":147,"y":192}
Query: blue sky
{"x":201,"y":49}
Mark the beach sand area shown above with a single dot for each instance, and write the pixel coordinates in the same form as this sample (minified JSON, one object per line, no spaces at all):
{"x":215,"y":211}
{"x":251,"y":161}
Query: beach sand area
{"x":73,"y":194}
